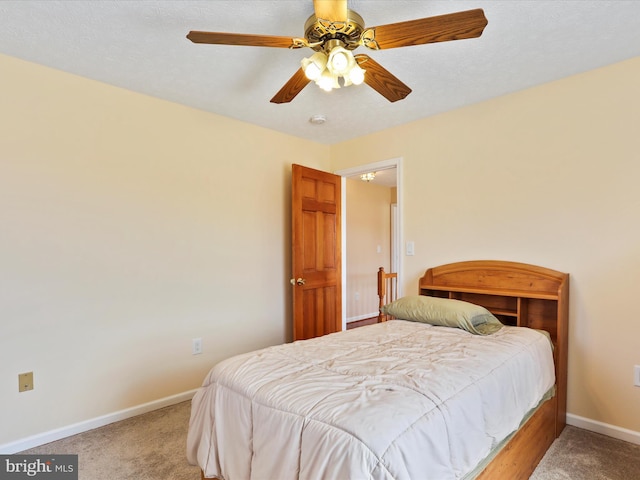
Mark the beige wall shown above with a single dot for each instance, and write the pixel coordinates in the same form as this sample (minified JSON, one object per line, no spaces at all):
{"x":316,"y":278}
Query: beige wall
{"x":129,"y":226}
{"x":120,"y":242}
{"x":547,"y":176}
{"x":368,"y":230}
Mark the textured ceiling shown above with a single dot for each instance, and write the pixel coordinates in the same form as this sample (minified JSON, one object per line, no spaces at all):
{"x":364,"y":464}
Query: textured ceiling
{"x":141,"y":46}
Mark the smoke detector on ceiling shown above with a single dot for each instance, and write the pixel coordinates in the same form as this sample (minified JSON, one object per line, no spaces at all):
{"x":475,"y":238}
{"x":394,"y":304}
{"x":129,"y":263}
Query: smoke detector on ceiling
{"x":318,"y":119}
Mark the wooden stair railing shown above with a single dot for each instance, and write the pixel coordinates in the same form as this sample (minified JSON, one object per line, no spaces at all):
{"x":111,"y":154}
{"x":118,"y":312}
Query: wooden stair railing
{"x":387,"y":291}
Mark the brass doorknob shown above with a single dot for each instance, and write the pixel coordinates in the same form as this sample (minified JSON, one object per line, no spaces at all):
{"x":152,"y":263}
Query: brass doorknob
{"x":299,"y":281}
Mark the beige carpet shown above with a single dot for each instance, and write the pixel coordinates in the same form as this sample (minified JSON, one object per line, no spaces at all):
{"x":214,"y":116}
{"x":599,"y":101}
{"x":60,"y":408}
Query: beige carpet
{"x":148,"y":447}
{"x":152,"y":446}
{"x":583,"y":455}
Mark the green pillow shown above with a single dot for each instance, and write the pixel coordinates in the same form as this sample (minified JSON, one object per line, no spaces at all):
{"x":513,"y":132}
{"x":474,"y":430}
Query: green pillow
{"x":444,"y":312}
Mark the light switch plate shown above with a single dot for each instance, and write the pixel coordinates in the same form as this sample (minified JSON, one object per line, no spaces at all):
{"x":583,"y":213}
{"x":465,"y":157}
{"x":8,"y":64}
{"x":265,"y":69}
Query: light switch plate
{"x":410,"y":248}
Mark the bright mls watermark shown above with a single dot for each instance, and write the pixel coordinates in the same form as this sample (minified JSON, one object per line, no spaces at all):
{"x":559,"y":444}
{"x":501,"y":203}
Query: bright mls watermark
{"x":39,"y":467}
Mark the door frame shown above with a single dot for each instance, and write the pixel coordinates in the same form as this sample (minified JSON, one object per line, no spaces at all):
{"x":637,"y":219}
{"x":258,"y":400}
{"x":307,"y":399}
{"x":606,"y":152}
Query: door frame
{"x":359,"y":170}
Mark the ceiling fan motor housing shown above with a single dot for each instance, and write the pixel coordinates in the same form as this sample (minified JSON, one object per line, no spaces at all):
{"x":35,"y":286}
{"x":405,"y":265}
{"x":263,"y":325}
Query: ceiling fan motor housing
{"x":318,"y":31}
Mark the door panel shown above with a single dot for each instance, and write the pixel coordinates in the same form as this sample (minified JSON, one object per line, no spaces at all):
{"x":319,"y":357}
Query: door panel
{"x":319,"y":312}
{"x":316,"y":252}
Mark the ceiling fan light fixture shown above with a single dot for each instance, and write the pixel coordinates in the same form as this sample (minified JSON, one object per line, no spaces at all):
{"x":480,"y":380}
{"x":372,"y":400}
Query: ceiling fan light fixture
{"x":326,"y":70}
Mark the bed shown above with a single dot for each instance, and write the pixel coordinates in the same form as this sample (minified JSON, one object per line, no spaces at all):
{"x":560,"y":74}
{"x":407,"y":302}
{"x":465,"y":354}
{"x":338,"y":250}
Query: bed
{"x":400,"y":399}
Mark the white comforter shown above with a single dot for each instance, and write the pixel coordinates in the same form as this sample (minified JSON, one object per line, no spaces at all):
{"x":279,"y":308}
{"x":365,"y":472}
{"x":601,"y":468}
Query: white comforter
{"x":395,"y":400}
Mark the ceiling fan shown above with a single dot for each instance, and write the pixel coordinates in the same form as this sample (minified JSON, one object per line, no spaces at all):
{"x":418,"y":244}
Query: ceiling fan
{"x":334,"y":31}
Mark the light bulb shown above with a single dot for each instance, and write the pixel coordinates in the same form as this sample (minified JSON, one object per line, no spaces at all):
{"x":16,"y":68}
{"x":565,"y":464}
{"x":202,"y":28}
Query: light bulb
{"x":340,"y":60}
{"x":356,"y":75}
{"x":327,"y":82}
{"x":312,"y":71}
{"x":314,"y":65}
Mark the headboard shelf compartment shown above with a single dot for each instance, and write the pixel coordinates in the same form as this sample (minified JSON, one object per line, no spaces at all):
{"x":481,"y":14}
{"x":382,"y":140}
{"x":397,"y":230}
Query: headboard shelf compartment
{"x":453,"y":290}
{"x":518,"y":294}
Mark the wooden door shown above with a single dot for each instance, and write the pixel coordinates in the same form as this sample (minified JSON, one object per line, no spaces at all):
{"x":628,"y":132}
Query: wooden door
{"x":316,"y":252}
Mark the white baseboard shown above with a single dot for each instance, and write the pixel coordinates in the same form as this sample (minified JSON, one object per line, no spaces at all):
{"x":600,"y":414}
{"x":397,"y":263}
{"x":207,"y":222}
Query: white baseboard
{"x":604,"y":428}
{"x":63,"y":432}
{"x":362,"y":317}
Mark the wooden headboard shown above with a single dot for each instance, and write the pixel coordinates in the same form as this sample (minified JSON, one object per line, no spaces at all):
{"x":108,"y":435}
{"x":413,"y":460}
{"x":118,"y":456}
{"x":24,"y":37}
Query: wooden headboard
{"x":518,"y":294}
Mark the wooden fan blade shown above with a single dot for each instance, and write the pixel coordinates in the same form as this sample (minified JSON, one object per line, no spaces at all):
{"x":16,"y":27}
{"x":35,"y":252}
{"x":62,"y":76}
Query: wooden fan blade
{"x":332,"y":10}
{"x":292,"y":88}
{"x":443,"y":28}
{"x":221,"y":38}
{"x":382,"y":80}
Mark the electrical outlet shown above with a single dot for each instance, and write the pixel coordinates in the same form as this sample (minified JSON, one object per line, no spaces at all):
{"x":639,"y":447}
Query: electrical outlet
{"x":636,"y":375}
{"x":196,"y":346}
{"x":356,"y":296}
{"x":25,"y":381}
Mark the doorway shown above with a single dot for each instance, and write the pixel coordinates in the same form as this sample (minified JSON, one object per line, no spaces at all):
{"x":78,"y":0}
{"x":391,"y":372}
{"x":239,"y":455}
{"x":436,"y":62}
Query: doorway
{"x":389,"y":174}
